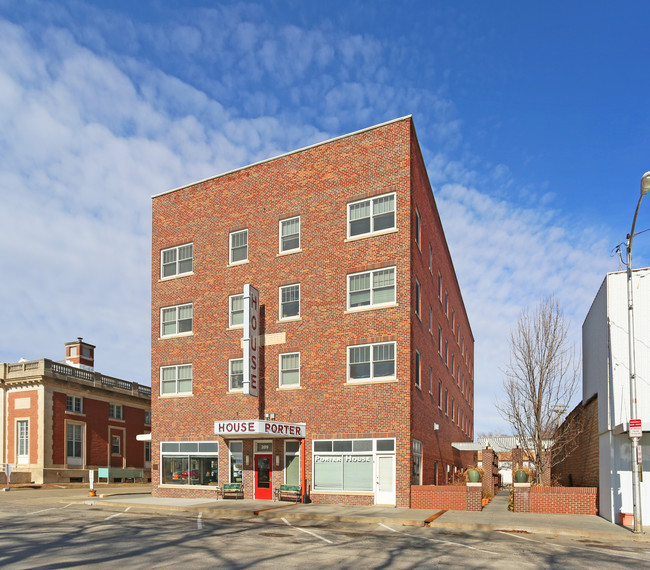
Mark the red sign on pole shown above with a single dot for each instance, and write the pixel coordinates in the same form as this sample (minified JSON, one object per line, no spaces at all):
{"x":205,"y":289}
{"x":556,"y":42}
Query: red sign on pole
{"x":635,"y":428}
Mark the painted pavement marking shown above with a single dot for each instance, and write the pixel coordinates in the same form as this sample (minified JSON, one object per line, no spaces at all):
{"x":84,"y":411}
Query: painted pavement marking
{"x":306,"y":531}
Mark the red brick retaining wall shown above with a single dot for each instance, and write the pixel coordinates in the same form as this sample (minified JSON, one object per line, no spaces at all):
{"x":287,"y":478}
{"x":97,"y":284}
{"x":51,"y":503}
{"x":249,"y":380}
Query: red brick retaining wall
{"x":452,"y":497}
{"x":558,"y":500}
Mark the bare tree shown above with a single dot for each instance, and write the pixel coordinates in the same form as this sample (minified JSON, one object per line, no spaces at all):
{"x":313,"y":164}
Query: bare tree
{"x":540,"y":381}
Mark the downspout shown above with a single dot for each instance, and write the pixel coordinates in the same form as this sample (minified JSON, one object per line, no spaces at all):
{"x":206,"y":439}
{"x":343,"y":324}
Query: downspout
{"x":302,"y":470}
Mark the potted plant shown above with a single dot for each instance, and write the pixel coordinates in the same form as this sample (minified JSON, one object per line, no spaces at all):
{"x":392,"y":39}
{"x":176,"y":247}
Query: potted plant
{"x":473,"y":474}
{"x":522,"y":474}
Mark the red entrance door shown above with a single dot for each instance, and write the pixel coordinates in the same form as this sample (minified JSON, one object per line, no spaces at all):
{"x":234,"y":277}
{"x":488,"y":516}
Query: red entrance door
{"x":263,"y":488}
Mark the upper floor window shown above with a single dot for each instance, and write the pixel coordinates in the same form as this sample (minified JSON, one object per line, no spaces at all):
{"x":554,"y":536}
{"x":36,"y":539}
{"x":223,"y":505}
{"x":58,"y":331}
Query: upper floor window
{"x":417,"y":298}
{"x":147,"y":418}
{"x":371,"y":215}
{"x":176,"y":379}
{"x":290,"y":369}
{"x":290,"y":301}
{"x":418,"y":228}
{"x":371,"y":362}
{"x":176,"y":320}
{"x":239,"y":246}
{"x":371,"y":288}
{"x":440,"y":286}
{"x":447,"y":303}
{"x":115,"y":412}
{"x":74,"y":404}
{"x":177,"y":260}
{"x":417,"y":370}
{"x":236,"y":374}
{"x":236,"y":311}
{"x":290,"y":234}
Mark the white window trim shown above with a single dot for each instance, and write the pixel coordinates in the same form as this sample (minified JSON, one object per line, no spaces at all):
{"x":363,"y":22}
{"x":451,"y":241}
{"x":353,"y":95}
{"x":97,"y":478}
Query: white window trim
{"x":288,"y":386}
{"x":75,"y":460}
{"x":371,"y":232}
{"x":22,"y":459}
{"x":176,"y":334}
{"x":295,"y":249}
{"x":418,"y":370}
{"x":177,"y":274}
{"x":230,"y":325}
{"x":371,"y":378}
{"x":292,"y":317}
{"x":176,"y":393}
{"x":81,"y":404}
{"x":372,"y":305}
{"x":115,"y":407}
{"x":230,"y":247}
{"x":230,"y":388}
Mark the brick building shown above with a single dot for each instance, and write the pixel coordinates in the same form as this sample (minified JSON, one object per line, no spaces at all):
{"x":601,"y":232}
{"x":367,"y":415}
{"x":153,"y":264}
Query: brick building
{"x":308,"y":327}
{"x":58,"y":420}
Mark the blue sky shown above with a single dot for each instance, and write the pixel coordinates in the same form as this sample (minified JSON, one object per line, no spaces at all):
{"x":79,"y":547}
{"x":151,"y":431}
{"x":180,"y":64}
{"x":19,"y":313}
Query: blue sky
{"x":533,"y":119}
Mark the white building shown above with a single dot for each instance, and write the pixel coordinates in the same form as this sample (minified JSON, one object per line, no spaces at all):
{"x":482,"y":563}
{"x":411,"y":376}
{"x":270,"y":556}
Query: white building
{"x":606,"y":373}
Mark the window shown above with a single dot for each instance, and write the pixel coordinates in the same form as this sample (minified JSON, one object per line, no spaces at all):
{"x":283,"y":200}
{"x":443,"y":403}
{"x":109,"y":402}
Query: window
{"x":371,"y":288}
{"x":147,"y":418}
{"x":176,"y":260}
{"x":453,"y":359}
{"x":236,"y":374}
{"x":176,"y":320}
{"x":430,"y":318}
{"x":236,"y":311}
{"x":74,"y":438}
{"x":430,"y":256}
{"x":430,"y":380}
{"x":290,"y":369}
{"x":416,"y":479}
{"x":417,"y":298}
{"x":73,"y":404}
{"x":372,"y":215}
{"x":86,"y":351}
{"x":347,"y":464}
{"x":453,"y":321}
{"x":147,"y":453}
{"x":176,"y":379}
{"x":289,"y":301}
{"x":290,"y":234}
{"x":446,"y":303}
{"x":446,"y":353}
{"x":116,"y":445}
{"x":418,"y":226}
{"x":371,"y":362}
{"x":22,"y":430}
{"x":292,"y":463}
{"x":239,"y":246}
{"x":115,"y":412}
{"x":440,"y":394}
{"x":453,"y":415}
{"x":440,"y":286}
{"x":189,"y":463}
{"x":236,"y":461}
{"x":439,"y":340}
{"x":417,"y":369}
{"x":446,"y":402}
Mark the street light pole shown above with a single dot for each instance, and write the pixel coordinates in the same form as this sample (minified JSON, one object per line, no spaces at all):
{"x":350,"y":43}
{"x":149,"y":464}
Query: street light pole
{"x":636,"y":486}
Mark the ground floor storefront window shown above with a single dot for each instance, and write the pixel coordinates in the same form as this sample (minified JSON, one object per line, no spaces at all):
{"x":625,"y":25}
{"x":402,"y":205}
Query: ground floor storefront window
{"x":189,"y":463}
{"x":348,"y":464}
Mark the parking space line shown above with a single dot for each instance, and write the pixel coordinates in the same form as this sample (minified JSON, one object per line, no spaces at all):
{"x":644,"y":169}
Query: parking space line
{"x":603,"y":551}
{"x":436,"y":540}
{"x":42,"y":511}
{"x":306,"y":531}
{"x":118,"y":514}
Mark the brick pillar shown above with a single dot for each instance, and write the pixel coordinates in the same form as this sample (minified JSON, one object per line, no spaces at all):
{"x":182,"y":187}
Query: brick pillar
{"x":517,"y":460}
{"x":522,"y":497}
{"x":488,"y":475}
{"x":474,"y":496}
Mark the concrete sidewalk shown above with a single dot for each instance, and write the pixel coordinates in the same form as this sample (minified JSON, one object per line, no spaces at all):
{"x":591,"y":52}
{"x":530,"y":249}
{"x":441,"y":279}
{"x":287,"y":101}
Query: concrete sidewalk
{"x":494,"y":517}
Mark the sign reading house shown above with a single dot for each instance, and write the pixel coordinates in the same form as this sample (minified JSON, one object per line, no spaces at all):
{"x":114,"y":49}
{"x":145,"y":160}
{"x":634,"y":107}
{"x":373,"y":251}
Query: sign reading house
{"x":242,"y":428}
{"x":251,"y":340}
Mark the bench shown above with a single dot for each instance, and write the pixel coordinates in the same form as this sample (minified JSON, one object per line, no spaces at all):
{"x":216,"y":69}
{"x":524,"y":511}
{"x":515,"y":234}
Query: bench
{"x":288,"y":492}
{"x":233,"y":490}
{"x":109,"y":473}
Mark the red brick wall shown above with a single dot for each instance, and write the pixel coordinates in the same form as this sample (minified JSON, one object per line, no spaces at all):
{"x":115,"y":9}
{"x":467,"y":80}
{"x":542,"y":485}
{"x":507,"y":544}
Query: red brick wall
{"x":95,"y":417}
{"x":450,"y":497}
{"x":564,"y":500}
{"x":316,"y":184}
{"x":459,"y":385}
{"x":577,"y":462}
